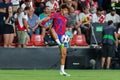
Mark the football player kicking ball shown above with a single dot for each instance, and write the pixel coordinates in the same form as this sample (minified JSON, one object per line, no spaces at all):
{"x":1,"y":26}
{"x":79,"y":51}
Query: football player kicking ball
{"x":58,"y":30}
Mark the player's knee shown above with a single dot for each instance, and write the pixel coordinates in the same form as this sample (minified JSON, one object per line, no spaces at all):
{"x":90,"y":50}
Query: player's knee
{"x":63,"y":56}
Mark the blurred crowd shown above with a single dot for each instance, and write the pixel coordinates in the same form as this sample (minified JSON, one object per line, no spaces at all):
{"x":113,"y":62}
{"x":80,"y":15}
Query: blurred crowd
{"x":21,"y":18}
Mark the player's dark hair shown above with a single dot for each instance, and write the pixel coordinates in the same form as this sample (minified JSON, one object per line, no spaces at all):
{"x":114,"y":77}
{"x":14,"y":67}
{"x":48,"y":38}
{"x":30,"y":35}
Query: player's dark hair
{"x":63,"y":6}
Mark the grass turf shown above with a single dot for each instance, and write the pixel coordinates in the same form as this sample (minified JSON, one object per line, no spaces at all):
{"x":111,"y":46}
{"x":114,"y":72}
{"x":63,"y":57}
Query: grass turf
{"x":54,"y":75}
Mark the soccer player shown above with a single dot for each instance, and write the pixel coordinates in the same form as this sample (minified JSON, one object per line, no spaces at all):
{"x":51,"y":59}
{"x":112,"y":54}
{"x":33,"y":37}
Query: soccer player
{"x":58,"y":30}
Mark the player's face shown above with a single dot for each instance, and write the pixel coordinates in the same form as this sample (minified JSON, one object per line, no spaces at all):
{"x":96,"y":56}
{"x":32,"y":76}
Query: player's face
{"x":65,"y":11}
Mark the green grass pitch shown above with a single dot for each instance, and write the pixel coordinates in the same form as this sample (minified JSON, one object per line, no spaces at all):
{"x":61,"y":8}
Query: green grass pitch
{"x":54,"y":75}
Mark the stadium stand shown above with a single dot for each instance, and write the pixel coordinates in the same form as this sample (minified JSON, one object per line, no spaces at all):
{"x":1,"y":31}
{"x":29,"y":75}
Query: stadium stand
{"x":79,"y":40}
{"x":38,"y":40}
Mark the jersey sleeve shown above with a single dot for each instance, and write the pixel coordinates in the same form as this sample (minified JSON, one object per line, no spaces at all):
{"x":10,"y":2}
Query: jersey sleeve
{"x":54,"y":15}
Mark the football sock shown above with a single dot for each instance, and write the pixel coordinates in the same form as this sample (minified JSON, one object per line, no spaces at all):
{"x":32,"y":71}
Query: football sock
{"x":58,"y":41}
{"x":62,"y":68}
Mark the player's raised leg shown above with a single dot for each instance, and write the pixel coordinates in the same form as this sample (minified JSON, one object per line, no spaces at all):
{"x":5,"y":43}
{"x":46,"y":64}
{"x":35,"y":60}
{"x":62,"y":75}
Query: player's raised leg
{"x":55,"y":36}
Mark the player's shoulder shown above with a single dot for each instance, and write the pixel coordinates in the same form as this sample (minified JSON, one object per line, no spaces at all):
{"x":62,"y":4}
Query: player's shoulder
{"x":55,"y":14}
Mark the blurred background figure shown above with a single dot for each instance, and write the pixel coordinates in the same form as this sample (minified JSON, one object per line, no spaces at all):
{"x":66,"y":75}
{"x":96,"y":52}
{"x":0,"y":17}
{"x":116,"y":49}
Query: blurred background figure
{"x":16,"y":4}
{"x":48,"y":24}
{"x":53,"y":5}
{"x":33,"y":23}
{"x":71,"y":22}
{"x":22,"y":27}
{"x":3,"y":7}
{"x":84,"y":19}
{"x":9,"y":28}
{"x":27,"y":3}
{"x":98,"y":17}
{"x":112,"y":16}
{"x":109,"y":43}
{"x":92,"y":5}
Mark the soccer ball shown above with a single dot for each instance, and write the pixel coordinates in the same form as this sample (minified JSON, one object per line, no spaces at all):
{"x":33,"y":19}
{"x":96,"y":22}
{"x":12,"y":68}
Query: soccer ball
{"x":65,"y":39}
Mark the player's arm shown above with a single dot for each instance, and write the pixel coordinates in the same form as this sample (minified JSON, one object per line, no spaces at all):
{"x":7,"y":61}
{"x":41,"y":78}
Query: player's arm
{"x":45,"y":19}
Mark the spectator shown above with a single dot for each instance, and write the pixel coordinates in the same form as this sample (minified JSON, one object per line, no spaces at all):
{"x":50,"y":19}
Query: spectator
{"x":53,"y":5}
{"x":15,"y":5}
{"x":39,"y":8}
{"x":117,"y":7}
{"x":22,"y":27}
{"x":81,"y":4}
{"x":33,"y":23}
{"x":48,"y":24}
{"x":92,"y":5}
{"x":71,"y":22}
{"x":9,"y":29}
{"x":109,"y":39}
{"x":3,"y":6}
{"x":21,"y":2}
{"x":106,"y":5}
{"x":27,"y":3}
{"x":73,"y":3}
{"x":112,"y":16}
{"x":84,"y":19}
{"x":98,"y":16}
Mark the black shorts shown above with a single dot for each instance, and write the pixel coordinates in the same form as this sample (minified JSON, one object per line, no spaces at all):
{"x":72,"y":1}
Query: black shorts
{"x":107,"y":50}
{"x":8,"y":29}
{"x":1,"y":28}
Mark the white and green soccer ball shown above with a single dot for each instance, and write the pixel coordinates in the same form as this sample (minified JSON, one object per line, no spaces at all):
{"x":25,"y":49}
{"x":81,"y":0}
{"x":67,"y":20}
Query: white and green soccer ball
{"x":65,"y":38}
